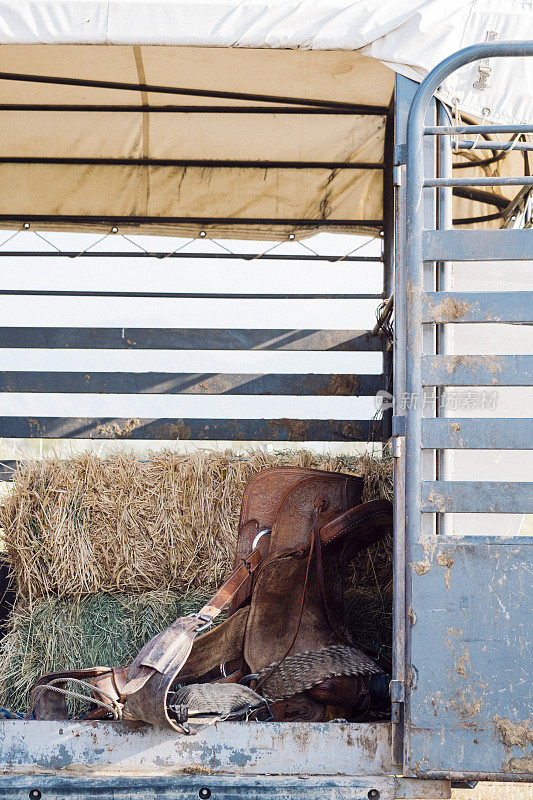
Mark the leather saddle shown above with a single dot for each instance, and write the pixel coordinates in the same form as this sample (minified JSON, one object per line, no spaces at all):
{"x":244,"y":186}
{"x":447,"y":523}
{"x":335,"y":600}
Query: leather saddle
{"x":285,"y":635}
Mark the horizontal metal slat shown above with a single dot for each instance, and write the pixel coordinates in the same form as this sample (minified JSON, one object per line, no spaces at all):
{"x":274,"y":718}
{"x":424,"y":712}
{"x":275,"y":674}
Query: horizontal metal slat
{"x":284,"y":430}
{"x":186,"y":295}
{"x":190,"y":339}
{"x":186,"y":255}
{"x":191,"y":383}
{"x":7,"y":469}
{"x":477,"y":434}
{"x":499,"y":245}
{"x":477,"y":370}
{"x":477,"y":306}
{"x":477,"y":497}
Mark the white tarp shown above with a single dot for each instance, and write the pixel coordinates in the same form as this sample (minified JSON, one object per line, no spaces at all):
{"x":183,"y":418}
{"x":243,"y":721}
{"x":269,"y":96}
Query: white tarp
{"x":411,"y":37}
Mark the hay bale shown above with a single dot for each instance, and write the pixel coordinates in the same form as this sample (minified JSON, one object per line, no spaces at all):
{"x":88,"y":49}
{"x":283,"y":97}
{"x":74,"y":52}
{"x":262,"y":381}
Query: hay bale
{"x":106,"y":553}
{"x":56,"y":634}
{"x":119,"y":525}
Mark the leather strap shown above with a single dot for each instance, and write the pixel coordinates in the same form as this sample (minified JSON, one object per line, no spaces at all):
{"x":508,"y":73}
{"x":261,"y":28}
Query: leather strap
{"x":299,"y":622}
{"x":229,"y":589}
{"x":168,"y":651}
{"x":354,"y":518}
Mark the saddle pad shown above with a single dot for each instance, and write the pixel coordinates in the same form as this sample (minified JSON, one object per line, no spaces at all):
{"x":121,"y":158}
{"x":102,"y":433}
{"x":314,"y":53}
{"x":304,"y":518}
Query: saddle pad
{"x":216,"y":698}
{"x":302,"y":671}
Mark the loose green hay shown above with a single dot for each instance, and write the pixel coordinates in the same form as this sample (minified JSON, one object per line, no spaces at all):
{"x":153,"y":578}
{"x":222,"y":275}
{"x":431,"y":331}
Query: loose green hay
{"x":57,"y":634}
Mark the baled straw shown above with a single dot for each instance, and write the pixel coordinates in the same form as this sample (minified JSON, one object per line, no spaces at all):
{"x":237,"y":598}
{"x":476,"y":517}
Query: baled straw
{"x":119,"y":525}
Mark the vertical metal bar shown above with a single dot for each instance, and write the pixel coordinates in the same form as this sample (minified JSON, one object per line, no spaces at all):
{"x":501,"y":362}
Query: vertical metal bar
{"x":405,"y":91}
{"x":388,"y":256}
{"x":444,"y":284}
{"x":413,"y":356}
{"x":427,"y":396}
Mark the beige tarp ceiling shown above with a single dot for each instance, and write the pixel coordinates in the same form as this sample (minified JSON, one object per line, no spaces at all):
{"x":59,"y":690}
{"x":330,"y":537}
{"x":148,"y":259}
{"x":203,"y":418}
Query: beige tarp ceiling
{"x":206,"y":192}
{"x":200,"y":192}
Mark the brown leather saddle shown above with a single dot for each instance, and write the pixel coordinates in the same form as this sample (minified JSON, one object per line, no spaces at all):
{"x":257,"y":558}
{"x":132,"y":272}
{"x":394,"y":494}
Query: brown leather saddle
{"x":285,"y":635}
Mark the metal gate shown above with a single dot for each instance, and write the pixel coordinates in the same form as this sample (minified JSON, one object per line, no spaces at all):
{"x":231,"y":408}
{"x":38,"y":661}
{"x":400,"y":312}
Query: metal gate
{"x":463,"y":617}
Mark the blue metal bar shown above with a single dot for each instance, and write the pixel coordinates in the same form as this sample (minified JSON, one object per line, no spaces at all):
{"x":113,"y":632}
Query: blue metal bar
{"x":477,"y":434}
{"x":460,"y":307}
{"x":469,"y":144}
{"x":451,"y":130}
{"x":405,"y":91}
{"x":452,"y":370}
{"x":444,"y":333}
{"x":284,"y":429}
{"x":502,"y":245}
{"x":525,"y":180}
{"x":477,"y":497}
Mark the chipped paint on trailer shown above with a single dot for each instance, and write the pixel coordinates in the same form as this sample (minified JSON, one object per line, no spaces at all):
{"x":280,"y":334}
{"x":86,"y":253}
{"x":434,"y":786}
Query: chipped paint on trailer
{"x":240,"y":748}
{"x":470,"y":684}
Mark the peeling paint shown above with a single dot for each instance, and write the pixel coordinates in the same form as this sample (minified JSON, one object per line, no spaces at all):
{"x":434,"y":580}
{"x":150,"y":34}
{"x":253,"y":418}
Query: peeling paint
{"x":446,"y":560}
{"x":524,"y":764}
{"x":492,"y":364}
{"x":514,"y":734}
{"x":428,"y":543}
{"x":439,"y":501}
{"x":449,"y":309}
{"x":118,"y":430}
{"x":462,"y":665}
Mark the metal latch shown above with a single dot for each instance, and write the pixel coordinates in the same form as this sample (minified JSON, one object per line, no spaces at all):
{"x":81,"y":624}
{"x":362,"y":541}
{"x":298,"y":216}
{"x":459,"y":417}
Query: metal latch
{"x":484,"y":68}
{"x":397,"y":173}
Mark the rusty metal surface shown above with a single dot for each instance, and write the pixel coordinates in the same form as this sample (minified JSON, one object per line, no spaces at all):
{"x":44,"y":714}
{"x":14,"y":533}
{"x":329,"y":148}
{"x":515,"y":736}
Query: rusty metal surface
{"x":189,"y":787}
{"x":93,"y":748}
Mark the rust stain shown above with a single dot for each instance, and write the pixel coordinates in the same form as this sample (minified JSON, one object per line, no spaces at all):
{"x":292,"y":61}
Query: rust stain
{"x":446,"y":560}
{"x":34,"y":425}
{"x":195,"y":770}
{"x":117,"y":430}
{"x":514,"y":734}
{"x":440,"y":501}
{"x":296,"y":428}
{"x":464,"y":705}
{"x":455,"y":426}
{"x":341,"y":385}
{"x":524,"y":764}
{"x":428,"y":543}
{"x":462,"y":665}
{"x":455,"y":631}
{"x":491,"y":364}
{"x":175,"y":430}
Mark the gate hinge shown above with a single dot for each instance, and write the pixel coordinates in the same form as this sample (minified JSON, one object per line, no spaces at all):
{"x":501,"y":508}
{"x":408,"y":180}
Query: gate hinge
{"x":397,"y":692}
{"x":397,"y":173}
{"x":398,"y":425}
{"x":397,"y":696}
